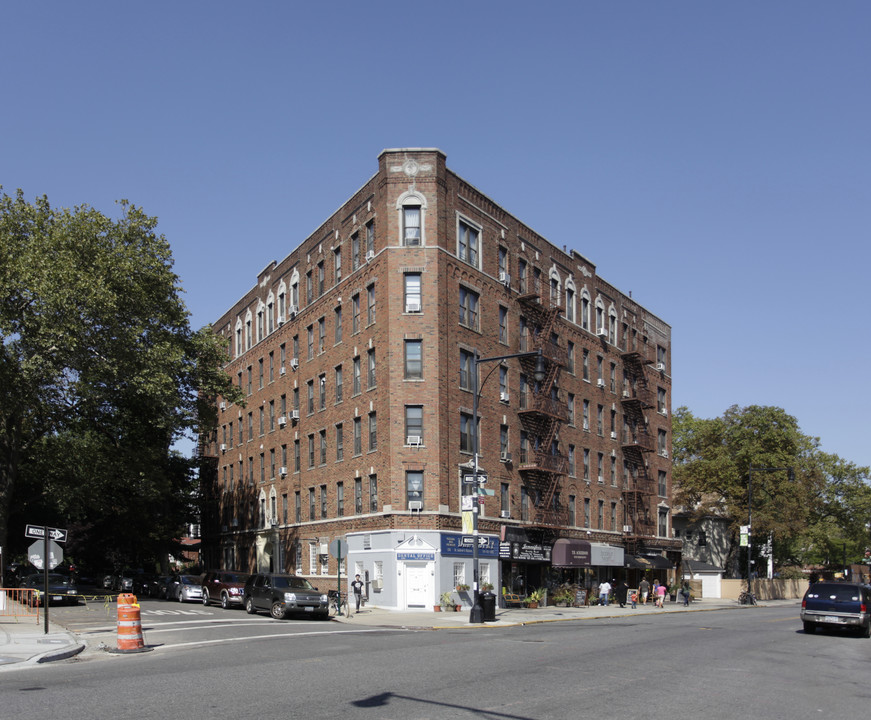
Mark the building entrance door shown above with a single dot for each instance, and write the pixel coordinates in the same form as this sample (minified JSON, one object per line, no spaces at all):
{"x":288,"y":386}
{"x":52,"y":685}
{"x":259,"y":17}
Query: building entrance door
{"x":418,"y":585}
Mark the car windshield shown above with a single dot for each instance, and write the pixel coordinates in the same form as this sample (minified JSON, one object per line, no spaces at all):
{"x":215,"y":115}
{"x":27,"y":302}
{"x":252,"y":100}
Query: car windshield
{"x":838,"y":593}
{"x":293,"y":583}
{"x":58,"y":580}
{"x":188,"y":580}
{"x":232,"y":578}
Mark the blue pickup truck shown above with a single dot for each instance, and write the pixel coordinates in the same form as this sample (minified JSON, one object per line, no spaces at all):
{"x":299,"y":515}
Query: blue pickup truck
{"x":837,"y":605}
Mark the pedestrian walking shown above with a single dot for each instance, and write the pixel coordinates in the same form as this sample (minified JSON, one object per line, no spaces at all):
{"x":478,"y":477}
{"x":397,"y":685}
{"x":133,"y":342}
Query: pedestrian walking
{"x":620,"y":592}
{"x":357,"y":587}
{"x":685,"y":593}
{"x":644,"y":589}
{"x":604,"y":591}
{"x":660,"y":595}
{"x":633,"y":597}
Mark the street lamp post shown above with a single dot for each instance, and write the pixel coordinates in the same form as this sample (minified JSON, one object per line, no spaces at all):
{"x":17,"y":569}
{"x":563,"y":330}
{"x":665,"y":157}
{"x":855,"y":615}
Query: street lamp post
{"x":750,"y":514}
{"x":477,"y":613}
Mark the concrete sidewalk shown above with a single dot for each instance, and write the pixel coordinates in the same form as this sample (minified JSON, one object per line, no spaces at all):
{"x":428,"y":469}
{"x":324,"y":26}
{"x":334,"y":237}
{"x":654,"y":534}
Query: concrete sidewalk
{"x":24,"y":643}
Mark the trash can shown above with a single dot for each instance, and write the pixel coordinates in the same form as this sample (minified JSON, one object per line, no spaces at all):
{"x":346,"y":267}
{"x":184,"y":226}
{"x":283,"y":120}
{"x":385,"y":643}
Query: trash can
{"x":488,"y":606}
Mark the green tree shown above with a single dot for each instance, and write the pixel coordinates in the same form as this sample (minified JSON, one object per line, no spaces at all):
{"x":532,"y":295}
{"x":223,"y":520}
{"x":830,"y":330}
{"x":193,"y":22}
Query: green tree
{"x":100,"y":374}
{"x":712,"y":465}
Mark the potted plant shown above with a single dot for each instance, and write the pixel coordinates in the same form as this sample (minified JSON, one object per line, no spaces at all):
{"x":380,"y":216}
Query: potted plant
{"x":462,"y":588}
{"x":447,"y":601}
{"x":563,"y":597}
{"x":487,"y":587}
{"x":535,"y":597}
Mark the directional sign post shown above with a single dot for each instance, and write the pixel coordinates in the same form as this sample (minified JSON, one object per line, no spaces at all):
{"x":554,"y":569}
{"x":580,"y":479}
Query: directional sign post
{"x":50,"y":557}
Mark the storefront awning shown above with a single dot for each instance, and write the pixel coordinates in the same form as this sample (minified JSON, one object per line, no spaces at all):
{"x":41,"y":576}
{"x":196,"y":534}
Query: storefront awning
{"x":645,"y":562}
{"x":568,"y":552}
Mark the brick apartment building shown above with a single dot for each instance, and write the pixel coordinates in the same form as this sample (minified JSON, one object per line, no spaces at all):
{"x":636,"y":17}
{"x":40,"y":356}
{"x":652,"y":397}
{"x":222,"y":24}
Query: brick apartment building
{"x":356,"y":354}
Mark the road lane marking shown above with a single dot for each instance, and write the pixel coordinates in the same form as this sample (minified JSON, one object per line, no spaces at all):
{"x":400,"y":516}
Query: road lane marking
{"x":221,"y":641}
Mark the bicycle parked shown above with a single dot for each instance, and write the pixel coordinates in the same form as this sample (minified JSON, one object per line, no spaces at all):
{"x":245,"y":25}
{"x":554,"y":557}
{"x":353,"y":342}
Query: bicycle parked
{"x":338,"y":603}
{"x":747,"y":598}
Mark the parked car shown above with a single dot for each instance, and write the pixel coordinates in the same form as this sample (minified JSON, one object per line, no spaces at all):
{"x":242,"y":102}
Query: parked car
{"x":224,"y":586}
{"x":165,"y":584}
{"x":837,"y":605}
{"x":61,"y":588}
{"x":185,"y":588}
{"x":283,"y":595}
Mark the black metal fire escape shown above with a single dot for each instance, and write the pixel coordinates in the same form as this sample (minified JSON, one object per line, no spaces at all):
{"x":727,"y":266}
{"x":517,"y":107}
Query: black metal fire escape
{"x":542,"y":412}
{"x":636,"y":442}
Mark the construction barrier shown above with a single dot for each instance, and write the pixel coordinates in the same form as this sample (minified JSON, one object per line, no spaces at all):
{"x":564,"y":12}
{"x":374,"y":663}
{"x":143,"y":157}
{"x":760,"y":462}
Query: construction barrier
{"x":129,"y":625}
{"x":19,"y":603}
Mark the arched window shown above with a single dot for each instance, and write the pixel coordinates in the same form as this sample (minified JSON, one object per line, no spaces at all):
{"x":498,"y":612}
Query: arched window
{"x":411,"y":206}
{"x":585,"y":309}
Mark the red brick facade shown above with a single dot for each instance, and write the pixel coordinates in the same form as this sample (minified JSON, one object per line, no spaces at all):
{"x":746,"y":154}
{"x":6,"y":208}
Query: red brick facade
{"x":482,"y":275}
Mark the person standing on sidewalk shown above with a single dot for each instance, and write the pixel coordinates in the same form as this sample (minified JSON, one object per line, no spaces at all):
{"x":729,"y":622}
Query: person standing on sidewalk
{"x":357,"y":587}
{"x":660,"y":595}
{"x":620,"y":592}
{"x":685,"y":592}
{"x":604,"y":591}
{"x":644,"y":589}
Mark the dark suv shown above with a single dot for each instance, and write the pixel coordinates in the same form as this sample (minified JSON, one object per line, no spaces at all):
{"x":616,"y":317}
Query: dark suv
{"x":283,"y":595}
{"x":837,"y":605}
{"x":224,"y":586}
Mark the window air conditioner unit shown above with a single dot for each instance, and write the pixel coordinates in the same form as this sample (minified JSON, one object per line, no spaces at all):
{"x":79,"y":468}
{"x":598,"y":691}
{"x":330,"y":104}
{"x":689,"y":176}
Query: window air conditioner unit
{"x":282,"y":471}
{"x":505,"y":457}
{"x":294,"y":364}
{"x":600,"y":382}
{"x":370,"y":255}
{"x":323,"y":546}
{"x":660,"y":367}
{"x":282,"y":371}
{"x":504,"y":397}
{"x":627,"y":394}
{"x":664,"y":412}
{"x":602,"y":332}
{"x":627,"y":528}
{"x":294,"y":415}
{"x":613,"y":434}
{"x":223,"y":448}
{"x":412,"y":307}
{"x":664,"y":453}
{"x":223,"y":406}
{"x":415,"y":505}
{"x":282,"y":421}
{"x":413,"y":440}
{"x":505,"y":514}
{"x":377,"y":584}
{"x":504,"y":277}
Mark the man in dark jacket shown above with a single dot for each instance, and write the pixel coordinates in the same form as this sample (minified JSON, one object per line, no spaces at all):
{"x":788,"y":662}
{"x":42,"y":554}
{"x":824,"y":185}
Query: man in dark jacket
{"x":620,"y":592}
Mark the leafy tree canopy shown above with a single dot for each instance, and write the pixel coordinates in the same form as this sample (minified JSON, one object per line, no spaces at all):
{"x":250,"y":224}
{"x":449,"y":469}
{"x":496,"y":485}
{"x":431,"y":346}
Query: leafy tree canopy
{"x":100,"y":373}
{"x":822,"y":500}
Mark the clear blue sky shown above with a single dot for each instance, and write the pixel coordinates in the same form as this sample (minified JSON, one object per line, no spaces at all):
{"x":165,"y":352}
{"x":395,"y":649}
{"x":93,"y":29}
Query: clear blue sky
{"x":713,"y":158}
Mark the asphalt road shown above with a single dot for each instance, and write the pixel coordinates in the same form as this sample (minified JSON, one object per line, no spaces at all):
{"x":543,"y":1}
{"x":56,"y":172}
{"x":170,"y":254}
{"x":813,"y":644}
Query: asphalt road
{"x":715,"y":665}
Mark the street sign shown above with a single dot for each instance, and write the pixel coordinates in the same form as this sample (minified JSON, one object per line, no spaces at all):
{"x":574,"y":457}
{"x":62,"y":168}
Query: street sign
{"x":339,"y":548}
{"x":484,"y":491}
{"x":37,"y":559}
{"x":38,"y":531}
{"x":470,"y":479}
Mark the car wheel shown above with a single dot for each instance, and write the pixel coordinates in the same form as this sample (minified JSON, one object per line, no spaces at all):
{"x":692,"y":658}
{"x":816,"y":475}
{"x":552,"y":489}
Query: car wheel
{"x":810,"y":628}
{"x":180,"y":595}
{"x":225,"y":601}
{"x":323,"y":616}
{"x":249,"y":606}
{"x":277,"y":611}
{"x":865,"y":632}
{"x":205,"y":597}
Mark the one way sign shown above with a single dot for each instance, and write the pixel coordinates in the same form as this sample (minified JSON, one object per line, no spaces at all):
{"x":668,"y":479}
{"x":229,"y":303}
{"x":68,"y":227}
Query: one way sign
{"x":38,"y":531}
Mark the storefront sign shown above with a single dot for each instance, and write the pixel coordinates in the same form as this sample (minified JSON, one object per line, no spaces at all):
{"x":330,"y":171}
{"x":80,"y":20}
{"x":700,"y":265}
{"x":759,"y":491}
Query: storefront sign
{"x":427,"y":557}
{"x":462,"y":545}
{"x":571,"y":553}
{"x":524,"y":551}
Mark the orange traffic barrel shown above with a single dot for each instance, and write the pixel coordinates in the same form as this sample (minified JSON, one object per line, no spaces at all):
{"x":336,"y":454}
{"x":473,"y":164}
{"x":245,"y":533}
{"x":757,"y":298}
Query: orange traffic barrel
{"x":129,"y":625}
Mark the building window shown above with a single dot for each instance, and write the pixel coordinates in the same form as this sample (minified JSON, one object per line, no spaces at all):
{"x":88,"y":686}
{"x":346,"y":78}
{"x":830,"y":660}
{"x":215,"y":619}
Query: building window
{"x":373,"y":493}
{"x":355,"y":251}
{"x":585,"y":417}
{"x":503,"y":325}
{"x":311,"y":450}
{"x":310,"y":387}
{"x":505,"y":500}
{"x":466,"y":430}
{"x":468,"y":241}
{"x":413,"y":302}
{"x":587,"y":464}
{"x":413,"y":359}
{"x":570,"y":402}
{"x":323,"y":502}
{"x":371,"y":363}
{"x":585,"y":310}
{"x":358,"y":439}
{"x":663,"y":484}
{"x":600,"y":467}
{"x":414,"y":487}
{"x":322,"y":334}
{"x":414,"y":422}
{"x":370,"y":237}
{"x":323,"y":446}
{"x":600,"y":519}
{"x":296,"y":456}
{"x":468,"y":308}
{"x":586,"y":512}
{"x":355,"y":314}
{"x":311,"y":503}
{"x":570,"y":355}
{"x":373,"y":432}
{"x":337,"y":265}
{"x":358,"y":496}
{"x":662,"y":528}
{"x":411,"y":225}
{"x":524,"y":504}
{"x":356,"y":375}
{"x":613,"y":515}
{"x":337,"y":318}
{"x":467,"y":367}
{"x":339,"y":386}
{"x":572,"y":468}
{"x":310,"y":343}
{"x":340,"y":499}
{"x":322,"y":391}
{"x":570,"y":305}
{"x":662,"y":442}
{"x":340,"y":442}
{"x":370,"y":304}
